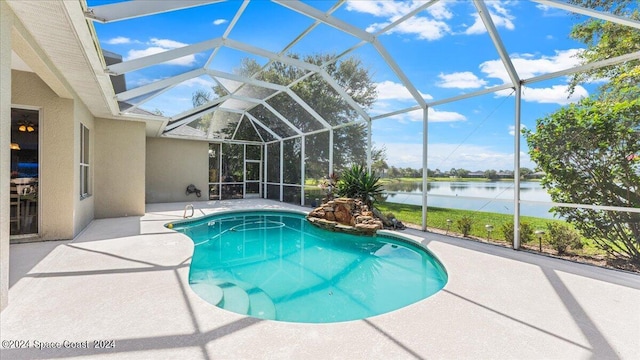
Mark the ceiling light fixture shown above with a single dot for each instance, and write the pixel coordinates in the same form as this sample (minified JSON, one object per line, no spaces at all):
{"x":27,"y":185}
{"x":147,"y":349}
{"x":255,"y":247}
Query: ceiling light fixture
{"x":26,"y":126}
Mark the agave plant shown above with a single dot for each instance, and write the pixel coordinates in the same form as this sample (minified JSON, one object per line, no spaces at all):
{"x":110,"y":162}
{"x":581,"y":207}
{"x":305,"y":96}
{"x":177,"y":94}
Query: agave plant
{"x":356,"y":182}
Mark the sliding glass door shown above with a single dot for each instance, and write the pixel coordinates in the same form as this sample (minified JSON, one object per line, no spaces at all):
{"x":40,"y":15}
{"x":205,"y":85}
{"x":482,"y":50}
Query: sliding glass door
{"x":25,"y":162}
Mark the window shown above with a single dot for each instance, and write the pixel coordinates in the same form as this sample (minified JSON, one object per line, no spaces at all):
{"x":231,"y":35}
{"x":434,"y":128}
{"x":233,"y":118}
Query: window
{"x":84,"y":162}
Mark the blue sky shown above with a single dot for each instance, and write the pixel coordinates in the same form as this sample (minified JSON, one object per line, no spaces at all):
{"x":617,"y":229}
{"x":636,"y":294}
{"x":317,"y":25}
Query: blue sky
{"x":444,"y":50}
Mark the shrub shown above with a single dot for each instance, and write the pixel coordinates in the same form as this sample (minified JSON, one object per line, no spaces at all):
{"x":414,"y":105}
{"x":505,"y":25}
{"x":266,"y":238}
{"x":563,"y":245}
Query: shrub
{"x":464,"y":225}
{"x":561,"y":237}
{"x":356,"y":182}
{"x":526,"y":232}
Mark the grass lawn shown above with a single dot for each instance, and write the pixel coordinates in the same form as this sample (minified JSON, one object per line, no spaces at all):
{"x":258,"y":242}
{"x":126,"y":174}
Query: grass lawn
{"x":437,"y":218}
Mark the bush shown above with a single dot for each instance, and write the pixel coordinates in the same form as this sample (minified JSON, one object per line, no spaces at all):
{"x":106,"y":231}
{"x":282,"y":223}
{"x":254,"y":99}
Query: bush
{"x":356,"y":182}
{"x":464,"y":225}
{"x":561,"y":237}
{"x":526,"y":232}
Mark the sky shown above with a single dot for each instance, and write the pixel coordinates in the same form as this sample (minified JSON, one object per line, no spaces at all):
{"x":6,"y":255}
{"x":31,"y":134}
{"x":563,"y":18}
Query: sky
{"x":444,"y":51}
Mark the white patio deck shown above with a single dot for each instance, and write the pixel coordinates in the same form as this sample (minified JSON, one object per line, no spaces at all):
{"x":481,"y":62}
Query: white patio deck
{"x":125,"y":280}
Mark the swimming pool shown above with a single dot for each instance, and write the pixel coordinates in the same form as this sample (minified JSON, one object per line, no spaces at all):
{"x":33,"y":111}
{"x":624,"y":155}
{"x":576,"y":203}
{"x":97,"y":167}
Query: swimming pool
{"x":278,"y":266}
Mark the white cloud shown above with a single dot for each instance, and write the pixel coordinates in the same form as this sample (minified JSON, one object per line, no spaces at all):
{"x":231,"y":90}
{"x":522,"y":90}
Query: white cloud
{"x":389,"y":90}
{"x":439,"y":10}
{"x":512,"y":129}
{"x":556,"y":94}
{"x":422,"y":27}
{"x":118,"y":40}
{"x":446,"y":156}
{"x":444,"y":116}
{"x":167,"y":44}
{"x":528,"y":67}
{"x":499,"y":21}
{"x":397,"y":9}
{"x":403,"y":155}
{"x":460,"y":80}
{"x":549,"y":11}
{"x":543,"y":7}
{"x":159,"y":46}
{"x":220,"y":21}
{"x":499,"y":8}
{"x":198,"y":82}
{"x":433,"y":116}
{"x":381,"y":8}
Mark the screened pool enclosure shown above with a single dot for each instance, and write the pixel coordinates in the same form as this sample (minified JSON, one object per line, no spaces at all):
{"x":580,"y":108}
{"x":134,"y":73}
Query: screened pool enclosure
{"x":288,"y":92}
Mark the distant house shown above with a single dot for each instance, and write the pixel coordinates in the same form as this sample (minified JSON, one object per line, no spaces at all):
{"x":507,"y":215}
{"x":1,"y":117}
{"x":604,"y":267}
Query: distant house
{"x":476,"y":174}
{"x":506,"y":174}
{"x":537,"y":175}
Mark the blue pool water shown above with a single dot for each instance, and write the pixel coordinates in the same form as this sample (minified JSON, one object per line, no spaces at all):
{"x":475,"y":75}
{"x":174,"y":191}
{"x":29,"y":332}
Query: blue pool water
{"x":276,"y":265}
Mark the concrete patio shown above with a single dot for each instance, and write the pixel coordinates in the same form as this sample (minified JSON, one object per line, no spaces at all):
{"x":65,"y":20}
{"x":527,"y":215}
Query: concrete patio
{"x":125,"y":280}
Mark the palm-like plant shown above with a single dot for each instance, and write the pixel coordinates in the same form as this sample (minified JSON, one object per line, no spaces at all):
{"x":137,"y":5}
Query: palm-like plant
{"x":356,"y":182}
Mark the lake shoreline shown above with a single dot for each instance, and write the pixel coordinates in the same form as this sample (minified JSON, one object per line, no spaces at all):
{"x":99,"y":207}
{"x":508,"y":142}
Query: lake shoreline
{"x":488,"y":196}
{"x":457,"y":179}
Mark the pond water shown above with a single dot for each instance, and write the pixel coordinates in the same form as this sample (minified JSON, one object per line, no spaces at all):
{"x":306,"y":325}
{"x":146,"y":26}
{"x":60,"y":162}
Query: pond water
{"x":489,"y":196}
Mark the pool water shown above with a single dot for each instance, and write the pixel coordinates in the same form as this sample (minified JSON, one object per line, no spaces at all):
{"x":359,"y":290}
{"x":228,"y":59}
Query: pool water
{"x":276,"y":265}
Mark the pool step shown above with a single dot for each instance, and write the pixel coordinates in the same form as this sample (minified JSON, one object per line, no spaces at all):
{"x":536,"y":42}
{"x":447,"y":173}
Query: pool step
{"x":234,"y":295}
{"x":234,"y":299}
{"x":209,"y":292}
{"x":261,"y":305}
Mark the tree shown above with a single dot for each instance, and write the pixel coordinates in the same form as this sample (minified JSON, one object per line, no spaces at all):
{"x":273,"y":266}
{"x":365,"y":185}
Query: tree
{"x":525,"y":173}
{"x":588,"y":154}
{"x":379,"y":159}
{"x":462,"y":172}
{"x":380,"y":166}
{"x":491,"y":174}
{"x":590,"y":151}
{"x":394,"y":172}
{"x":605,"y":40}
{"x":349,"y":141}
{"x":199,"y":98}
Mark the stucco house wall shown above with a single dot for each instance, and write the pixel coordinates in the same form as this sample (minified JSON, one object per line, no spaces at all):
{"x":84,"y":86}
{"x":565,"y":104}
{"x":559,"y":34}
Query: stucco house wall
{"x":119,"y":171}
{"x":173,"y":164}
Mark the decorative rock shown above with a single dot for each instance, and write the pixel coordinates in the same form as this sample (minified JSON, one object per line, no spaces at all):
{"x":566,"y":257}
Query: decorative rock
{"x":363,"y":219}
{"x":367,"y":228}
{"x":347,"y":215}
{"x":346,"y":229}
{"x":342,"y":214}
{"x":325,"y":224}
{"x":346,"y":203}
{"x":318,"y":213}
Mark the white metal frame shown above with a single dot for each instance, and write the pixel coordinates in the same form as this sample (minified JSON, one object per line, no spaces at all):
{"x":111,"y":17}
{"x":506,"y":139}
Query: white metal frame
{"x":121,"y":11}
